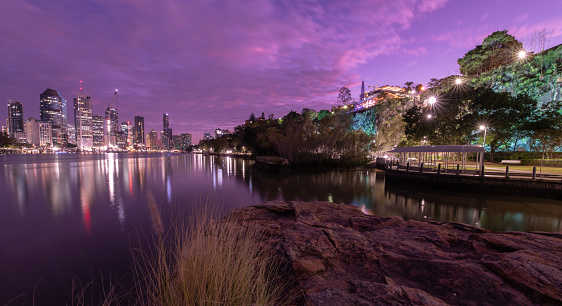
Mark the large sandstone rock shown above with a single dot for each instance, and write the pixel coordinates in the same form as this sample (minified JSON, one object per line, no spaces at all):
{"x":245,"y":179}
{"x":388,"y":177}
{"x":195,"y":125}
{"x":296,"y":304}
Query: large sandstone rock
{"x":339,"y":256}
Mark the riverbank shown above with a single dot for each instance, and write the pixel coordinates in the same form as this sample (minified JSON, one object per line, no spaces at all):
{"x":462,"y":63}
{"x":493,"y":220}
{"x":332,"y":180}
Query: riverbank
{"x":336,"y":254}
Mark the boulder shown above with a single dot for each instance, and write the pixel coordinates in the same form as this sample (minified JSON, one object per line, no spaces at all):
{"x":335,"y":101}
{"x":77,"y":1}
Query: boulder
{"x":336,"y":255}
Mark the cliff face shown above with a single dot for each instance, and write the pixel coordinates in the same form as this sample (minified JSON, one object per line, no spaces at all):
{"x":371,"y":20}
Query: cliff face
{"x":338,"y":255}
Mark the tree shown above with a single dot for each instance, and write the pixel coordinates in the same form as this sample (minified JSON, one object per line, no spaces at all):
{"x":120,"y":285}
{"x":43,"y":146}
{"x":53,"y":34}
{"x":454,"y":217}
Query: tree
{"x":497,"y":49}
{"x":545,"y":131}
{"x":507,"y":117}
{"x":252,"y":118}
{"x":344,"y":97}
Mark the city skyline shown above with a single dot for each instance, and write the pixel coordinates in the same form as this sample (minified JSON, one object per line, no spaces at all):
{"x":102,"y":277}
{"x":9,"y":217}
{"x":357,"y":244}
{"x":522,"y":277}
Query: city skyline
{"x":211,"y":65}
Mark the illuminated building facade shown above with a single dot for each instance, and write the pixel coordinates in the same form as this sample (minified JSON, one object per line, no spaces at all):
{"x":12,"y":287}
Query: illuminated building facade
{"x":97,"y":131}
{"x":138,"y":131}
{"x":127,"y":129}
{"x":166,"y":134}
{"x":152,"y":141}
{"x":83,"y":121}
{"x":15,"y":118}
{"x":111,"y":127}
{"x":53,"y":109}
{"x":45,"y":134}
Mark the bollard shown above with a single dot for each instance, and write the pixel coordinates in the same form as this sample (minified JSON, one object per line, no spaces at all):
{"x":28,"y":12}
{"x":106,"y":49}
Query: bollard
{"x":506,"y":172}
{"x":534,"y":173}
{"x":407,"y":166}
{"x":482,"y":172}
{"x":421,"y":168}
{"x":458,"y":167}
{"x":439,"y":169}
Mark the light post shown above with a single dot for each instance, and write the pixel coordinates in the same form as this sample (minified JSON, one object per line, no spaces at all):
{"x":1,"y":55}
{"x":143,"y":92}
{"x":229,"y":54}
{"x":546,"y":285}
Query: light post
{"x":484,"y":128}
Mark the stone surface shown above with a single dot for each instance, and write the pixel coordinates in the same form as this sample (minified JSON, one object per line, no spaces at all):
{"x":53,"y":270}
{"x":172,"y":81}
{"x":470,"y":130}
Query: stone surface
{"x":336,"y":255}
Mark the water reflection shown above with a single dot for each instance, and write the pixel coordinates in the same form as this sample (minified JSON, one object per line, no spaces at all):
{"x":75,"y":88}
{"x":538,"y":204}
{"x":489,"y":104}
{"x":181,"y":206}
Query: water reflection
{"x":67,"y":215}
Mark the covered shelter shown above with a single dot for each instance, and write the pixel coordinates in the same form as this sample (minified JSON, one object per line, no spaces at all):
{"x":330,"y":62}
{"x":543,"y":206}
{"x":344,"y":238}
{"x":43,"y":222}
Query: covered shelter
{"x":448,"y":155}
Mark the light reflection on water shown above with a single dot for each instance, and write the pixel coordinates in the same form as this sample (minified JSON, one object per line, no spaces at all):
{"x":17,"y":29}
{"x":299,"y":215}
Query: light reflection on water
{"x":64,"y":216}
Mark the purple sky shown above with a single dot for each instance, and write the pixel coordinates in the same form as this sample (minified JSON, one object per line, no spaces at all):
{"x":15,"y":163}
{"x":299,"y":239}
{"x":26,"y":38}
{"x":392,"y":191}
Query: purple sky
{"x":209,"y":64}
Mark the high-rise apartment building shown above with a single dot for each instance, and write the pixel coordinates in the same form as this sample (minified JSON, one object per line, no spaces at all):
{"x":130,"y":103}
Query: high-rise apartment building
{"x":207,"y":136}
{"x":53,"y":109}
{"x":45,"y":133}
{"x":185,"y":141}
{"x":139,"y":139}
{"x":97,"y":131}
{"x":166,"y":134}
{"x":83,"y":121}
{"x":15,"y":118}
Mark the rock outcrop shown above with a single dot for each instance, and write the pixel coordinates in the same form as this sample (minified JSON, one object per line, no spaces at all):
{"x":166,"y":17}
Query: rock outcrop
{"x":340,"y":256}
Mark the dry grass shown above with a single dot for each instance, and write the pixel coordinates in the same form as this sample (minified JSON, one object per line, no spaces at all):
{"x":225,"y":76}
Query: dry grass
{"x":207,"y":262}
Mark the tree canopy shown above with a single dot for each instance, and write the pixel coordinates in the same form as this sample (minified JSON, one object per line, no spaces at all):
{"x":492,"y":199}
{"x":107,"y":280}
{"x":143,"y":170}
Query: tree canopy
{"x":497,"y":49}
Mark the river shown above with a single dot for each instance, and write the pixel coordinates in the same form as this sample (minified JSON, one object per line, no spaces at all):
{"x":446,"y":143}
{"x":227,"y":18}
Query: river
{"x":72,"y":218}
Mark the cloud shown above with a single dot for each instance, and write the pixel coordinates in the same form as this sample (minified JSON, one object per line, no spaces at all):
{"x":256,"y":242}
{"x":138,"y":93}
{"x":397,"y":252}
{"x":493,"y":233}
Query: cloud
{"x":219,"y":60}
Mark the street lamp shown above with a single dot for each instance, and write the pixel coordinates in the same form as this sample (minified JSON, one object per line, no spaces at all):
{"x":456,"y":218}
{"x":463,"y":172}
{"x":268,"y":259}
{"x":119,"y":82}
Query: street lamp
{"x":458,"y":81}
{"x":522,"y":54}
{"x":432,"y":100}
{"x":483,"y":128}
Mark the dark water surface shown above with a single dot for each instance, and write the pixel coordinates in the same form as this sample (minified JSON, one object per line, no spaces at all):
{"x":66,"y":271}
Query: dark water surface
{"x":66,"y":217}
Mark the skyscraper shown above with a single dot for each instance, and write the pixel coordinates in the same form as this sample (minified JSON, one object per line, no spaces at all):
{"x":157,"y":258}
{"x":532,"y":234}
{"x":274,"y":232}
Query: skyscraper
{"x":97,"y":130}
{"x":152,"y":141}
{"x":53,"y":109}
{"x":139,"y":131}
{"x":166,"y":134}
{"x":83,"y":121}
{"x":127,"y":129}
{"x":15,"y":118}
{"x":111,"y":126}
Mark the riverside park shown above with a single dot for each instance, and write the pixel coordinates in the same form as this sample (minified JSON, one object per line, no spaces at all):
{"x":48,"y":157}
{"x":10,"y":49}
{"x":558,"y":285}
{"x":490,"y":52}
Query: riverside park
{"x":268,"y":153}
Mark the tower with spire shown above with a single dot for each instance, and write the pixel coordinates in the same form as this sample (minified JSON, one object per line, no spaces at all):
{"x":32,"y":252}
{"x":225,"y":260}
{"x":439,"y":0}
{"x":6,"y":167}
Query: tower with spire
{"x":362,"y":96}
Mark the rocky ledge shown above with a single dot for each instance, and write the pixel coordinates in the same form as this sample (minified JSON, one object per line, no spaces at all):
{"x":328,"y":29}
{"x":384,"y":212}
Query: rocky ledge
{"x":337,"y":255}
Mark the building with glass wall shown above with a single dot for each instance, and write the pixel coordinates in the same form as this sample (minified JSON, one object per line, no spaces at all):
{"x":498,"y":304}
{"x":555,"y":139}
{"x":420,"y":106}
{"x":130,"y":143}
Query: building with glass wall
{"x":139,"y":138}
{"x":15,"y":118}
{"x":83,"y":121}
{"x":53,"y":109}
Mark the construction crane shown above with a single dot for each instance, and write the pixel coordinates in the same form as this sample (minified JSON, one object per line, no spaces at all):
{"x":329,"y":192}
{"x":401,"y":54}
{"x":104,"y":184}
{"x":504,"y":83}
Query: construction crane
{"x":113,"y":101}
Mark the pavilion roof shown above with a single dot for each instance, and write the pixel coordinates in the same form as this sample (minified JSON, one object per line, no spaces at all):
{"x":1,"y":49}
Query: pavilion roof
{"x":441,"y":148}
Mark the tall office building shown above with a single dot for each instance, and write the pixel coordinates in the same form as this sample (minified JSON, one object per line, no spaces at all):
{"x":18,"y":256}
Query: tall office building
{"x":83,"y":121}
{"x":97,"y":131}
{"x":53,"y":110}
{"x":15,"y":118}
{"x":32,"y":131}
{"x":139,"y":131}
{"x":127,"y":129}
{"x":111,"y":126}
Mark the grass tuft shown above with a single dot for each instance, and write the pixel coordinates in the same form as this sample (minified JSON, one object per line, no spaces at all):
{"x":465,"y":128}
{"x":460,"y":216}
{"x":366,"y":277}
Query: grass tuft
{"x":207,"y":262}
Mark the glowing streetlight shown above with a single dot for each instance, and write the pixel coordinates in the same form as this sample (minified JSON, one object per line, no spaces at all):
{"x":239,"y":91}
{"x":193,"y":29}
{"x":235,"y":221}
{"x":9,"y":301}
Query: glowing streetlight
{"x":522,"y":54}
{"x":458,"y":81}
{"x":429,"y":116}
{"x":432,"y":100}
{"x":483,"y":128}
